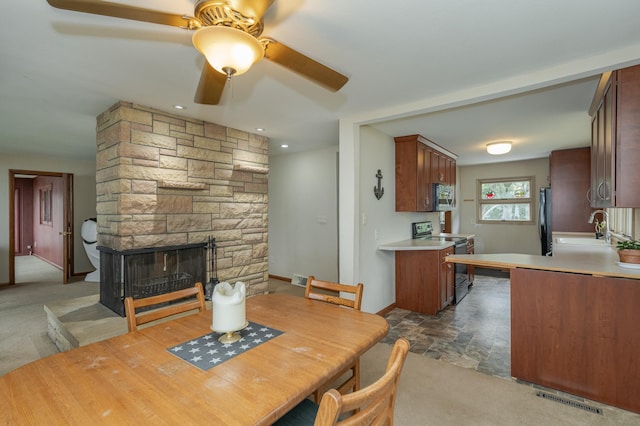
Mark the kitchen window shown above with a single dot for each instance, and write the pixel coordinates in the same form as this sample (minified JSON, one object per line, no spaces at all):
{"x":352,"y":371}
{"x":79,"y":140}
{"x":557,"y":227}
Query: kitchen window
{"x":507,"y":200}
{"x":621,"y":221}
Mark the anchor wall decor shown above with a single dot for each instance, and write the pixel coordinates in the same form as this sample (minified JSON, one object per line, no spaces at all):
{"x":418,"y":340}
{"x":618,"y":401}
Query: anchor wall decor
{"x":378,"y":190}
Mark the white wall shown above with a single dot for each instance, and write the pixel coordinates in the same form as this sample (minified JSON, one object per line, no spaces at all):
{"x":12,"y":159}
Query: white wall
{"x":84,"y":200}
{"x":501,"y":238}
{"x":376,"y":267}
{"x":303,"y":214}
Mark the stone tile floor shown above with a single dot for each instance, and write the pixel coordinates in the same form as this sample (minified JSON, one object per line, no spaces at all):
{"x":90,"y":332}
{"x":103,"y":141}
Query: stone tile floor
{"x":475,"y":334}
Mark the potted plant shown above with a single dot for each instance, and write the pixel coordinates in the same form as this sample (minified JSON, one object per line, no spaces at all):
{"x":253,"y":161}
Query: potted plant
{"x":629,"y":251}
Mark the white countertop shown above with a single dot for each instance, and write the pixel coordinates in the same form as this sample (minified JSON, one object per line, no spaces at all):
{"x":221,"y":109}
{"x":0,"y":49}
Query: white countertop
{"x":416,"y":245}
{"x":423,"y":244}
{"x":603,"y":263}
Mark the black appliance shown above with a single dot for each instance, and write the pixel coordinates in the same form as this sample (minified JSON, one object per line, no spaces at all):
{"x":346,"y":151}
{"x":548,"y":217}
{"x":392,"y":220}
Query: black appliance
{"x":424,"y":230}
{"x":544,"y":220}
{"x":442,"y":197}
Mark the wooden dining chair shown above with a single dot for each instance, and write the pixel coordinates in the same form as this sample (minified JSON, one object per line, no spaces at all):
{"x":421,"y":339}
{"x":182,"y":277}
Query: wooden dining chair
{"x":330,"y":292}
{"x":131,"y":304}
{"x":373,"y":404}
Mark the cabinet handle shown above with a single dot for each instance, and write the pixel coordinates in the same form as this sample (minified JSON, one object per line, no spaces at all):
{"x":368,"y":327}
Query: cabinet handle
{"x":589,"y":195}
{"x":599,"y":192}
{"x":164,"y":268}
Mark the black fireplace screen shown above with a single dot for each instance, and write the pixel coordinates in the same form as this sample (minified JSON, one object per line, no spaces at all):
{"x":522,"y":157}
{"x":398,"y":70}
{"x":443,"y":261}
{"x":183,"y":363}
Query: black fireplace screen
{"x":149,"y":272}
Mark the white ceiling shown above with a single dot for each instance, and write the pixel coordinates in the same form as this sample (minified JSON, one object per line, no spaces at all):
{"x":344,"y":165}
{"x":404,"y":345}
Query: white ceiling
{"x":439,"y":68}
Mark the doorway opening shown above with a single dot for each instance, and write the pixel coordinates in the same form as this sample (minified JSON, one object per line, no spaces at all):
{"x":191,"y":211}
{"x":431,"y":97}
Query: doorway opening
{"x":40,"y":224}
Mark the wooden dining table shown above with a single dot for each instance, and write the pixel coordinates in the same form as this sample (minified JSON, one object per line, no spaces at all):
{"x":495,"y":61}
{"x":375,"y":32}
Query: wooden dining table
{"x":134,"y":379}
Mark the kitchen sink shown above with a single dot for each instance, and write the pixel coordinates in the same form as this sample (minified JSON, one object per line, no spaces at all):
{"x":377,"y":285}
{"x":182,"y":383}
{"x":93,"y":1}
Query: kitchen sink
{"x":581,"y":241}
{"x":577,"y":244}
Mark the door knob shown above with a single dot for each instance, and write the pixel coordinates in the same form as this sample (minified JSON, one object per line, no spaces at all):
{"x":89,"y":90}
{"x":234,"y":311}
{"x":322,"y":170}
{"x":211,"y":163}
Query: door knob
{"x":64,"y":233}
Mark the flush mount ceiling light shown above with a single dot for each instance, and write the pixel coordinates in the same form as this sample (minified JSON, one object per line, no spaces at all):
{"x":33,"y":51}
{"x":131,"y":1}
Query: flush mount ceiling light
{"x":498,"y":148}
{"x":228,"y":50}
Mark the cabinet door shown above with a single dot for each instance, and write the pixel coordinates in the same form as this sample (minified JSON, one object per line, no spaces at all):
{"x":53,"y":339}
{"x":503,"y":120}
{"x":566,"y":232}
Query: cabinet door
{"x":423,"y":190}
{"x":626,"y":146}
{"x":569,"y":171}
{"x":435,"y":167}
{"x":608,"y":143}
{"x":406,"y":175}
{"x":442,"y":169}
{"x":602,"y":129}
{"x":446,"y":279}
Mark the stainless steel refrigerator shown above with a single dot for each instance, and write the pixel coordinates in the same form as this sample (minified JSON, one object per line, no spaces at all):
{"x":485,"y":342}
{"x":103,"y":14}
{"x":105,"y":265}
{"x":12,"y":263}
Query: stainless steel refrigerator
{"x":544,"y":221}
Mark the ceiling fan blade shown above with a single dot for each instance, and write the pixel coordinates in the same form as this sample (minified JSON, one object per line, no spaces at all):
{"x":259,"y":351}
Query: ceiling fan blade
{"x":116,"y":10}
{"x":303,"y":65}
{"x":210,"y":87}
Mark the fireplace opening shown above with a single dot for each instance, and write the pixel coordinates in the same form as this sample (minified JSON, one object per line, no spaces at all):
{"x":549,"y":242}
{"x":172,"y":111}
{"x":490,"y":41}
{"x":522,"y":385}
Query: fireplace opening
{"x":148,"y":272}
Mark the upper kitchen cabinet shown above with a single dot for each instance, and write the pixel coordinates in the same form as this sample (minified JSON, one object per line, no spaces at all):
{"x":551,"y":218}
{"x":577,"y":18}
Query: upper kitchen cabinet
{"x":615,"y":140}
{"x":569,"y":172}
{"x":419,"y":164}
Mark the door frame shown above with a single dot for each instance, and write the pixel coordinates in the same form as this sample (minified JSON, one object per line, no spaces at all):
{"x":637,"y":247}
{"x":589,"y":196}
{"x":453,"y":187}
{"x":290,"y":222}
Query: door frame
{"x":67,"y":220}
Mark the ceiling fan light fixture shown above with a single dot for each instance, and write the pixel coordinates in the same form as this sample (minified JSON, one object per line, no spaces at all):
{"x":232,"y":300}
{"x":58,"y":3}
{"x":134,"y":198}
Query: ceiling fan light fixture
{"x":228,"y":50}
{"x":499,"y":148}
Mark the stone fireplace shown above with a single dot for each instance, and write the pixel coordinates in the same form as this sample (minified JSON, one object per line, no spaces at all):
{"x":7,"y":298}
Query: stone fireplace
{"x":165,"y":180}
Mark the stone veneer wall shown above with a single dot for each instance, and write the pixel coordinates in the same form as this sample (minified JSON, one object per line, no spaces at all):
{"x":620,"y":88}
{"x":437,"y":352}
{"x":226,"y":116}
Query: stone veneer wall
{"x":165,"y":180}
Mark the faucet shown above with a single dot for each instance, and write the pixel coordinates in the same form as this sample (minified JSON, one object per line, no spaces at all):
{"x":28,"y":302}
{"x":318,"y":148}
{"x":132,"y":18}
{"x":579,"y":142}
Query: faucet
{"x":605,"y":216}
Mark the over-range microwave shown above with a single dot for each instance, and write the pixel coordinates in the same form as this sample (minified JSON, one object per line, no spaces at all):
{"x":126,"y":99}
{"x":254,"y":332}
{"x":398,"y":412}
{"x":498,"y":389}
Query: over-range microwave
{"x":443,"y":197}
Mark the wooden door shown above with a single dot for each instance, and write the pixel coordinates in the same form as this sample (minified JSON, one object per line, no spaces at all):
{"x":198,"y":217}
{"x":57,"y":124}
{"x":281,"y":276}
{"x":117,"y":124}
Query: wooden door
{"x":66,"y":236}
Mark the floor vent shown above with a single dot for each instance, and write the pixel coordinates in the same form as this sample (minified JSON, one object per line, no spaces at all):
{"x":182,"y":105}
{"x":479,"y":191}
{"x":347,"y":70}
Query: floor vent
{"x":299,"y":280}
{"x":569,"y":402}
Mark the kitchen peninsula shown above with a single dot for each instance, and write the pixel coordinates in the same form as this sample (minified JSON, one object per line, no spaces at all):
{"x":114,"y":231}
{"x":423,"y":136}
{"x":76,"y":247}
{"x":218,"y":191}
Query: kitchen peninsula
{"x":424,"y":282}
{"x":574,"y":322}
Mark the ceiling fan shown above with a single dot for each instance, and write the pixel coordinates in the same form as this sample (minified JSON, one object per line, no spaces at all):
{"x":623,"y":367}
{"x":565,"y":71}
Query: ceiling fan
{"x":227,"y":33}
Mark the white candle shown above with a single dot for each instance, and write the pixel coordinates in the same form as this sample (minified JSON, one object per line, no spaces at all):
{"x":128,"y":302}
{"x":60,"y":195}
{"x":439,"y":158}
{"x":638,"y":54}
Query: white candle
{"x":229,"y":313}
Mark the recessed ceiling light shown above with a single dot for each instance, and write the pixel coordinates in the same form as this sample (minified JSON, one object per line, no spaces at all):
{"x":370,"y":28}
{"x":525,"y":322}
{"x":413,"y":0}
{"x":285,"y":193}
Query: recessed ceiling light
{"x":284,"y":145}
{"x":259,"y":129}
{"x":179,"y":107}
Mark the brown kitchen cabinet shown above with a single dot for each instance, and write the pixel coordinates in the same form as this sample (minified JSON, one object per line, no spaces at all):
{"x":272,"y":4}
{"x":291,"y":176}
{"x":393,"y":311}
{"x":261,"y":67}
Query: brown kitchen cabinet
{"x":424,"y":283}
{"x":577,"y":333}
{"x":413,"y":175}
{"x":615,"y":131}
{"x":420,"y":163}
{"x":447,"y":279}
{"x":570,"y":177}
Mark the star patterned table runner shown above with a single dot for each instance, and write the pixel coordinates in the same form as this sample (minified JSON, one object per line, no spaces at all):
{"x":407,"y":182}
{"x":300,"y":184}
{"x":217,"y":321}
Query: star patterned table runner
{"x":206,"y":351}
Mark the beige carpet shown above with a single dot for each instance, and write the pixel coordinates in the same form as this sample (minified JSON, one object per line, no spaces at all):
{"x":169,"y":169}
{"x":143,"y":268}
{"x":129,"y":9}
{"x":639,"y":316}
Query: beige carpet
{"x":431,"y":392}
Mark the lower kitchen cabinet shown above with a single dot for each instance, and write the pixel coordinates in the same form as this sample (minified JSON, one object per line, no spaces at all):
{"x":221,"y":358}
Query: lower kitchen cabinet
{"x":424,"y":282}
{"x":578,"y":334}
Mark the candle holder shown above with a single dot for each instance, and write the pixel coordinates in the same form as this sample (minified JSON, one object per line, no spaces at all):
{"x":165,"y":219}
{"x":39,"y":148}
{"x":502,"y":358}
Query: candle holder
{"x":229,"y":313}
{"x":231,"y":336}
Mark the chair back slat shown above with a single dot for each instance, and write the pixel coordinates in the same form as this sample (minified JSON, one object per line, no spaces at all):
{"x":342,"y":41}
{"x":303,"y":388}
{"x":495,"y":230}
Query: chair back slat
{"x":131,"y":304}
{"x":374,"y":404}
{"x":329,"y":292}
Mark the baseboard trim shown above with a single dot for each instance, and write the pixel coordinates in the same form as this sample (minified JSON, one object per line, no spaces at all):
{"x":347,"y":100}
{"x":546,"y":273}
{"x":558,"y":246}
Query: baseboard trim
{"x":277,"y":277}
{"x":386,"y":310}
